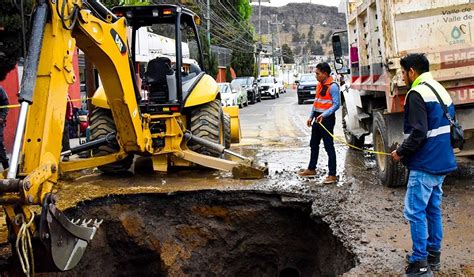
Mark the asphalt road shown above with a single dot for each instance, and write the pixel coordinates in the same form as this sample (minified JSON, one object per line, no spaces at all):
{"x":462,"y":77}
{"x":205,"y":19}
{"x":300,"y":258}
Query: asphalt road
{"x":362,"y":213}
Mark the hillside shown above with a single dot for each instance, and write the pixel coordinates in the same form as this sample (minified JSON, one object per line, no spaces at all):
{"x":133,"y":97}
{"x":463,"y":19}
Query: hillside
{"x":298,"y":17}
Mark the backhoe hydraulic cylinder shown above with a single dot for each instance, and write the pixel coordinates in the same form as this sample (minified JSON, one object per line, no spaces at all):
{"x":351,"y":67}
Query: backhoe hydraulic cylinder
{"x":30,"y":70}
{"x":109,"y":139}
{"x":28,"y":82}
{"x":209,"y":145}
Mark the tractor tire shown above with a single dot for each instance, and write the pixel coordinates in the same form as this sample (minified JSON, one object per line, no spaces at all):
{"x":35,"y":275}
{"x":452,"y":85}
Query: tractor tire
{"x":207,"y":122}
{"x":227,"y":131}
{"x":253,"y":99}
{"x":102,"y":124}
{"x":392,"y":174}
{"x":351,"y":139}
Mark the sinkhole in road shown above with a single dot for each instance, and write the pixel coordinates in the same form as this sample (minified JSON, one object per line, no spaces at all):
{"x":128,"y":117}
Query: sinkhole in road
{"x":210,"y":233}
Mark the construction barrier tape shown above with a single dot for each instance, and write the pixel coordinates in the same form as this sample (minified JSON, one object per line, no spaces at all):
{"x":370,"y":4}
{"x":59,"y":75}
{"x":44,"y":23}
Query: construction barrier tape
{"x":353,"y":146}
{"x":18,"y":105}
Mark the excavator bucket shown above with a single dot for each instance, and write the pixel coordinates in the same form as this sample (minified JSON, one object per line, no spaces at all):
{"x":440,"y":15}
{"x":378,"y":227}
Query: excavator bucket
{"x":244,"y":171}
{"x":64,"y":240}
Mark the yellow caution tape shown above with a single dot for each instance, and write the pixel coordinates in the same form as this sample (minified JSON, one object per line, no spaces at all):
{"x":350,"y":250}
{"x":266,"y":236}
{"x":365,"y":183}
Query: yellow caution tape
{"x":352,"y":146}
{"x":18,"y":105}
{"x":10,"y":106}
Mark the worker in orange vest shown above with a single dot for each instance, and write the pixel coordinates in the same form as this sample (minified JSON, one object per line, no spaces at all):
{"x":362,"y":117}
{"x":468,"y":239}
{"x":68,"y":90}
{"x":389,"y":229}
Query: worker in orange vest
{"x":326,"y":103}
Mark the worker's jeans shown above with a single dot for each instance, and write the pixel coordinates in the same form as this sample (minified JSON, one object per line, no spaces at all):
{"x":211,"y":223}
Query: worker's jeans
{"x":423,"y":211}
{"x":318,"y":133}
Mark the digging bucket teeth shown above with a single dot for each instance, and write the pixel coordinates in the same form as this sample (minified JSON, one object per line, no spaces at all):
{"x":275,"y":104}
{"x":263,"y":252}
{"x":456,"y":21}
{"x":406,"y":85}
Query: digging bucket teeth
{"x":64,"y":240}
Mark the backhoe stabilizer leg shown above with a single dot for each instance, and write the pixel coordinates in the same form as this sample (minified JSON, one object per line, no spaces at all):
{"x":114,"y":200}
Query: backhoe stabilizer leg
{"x":65,"y":240}
{"x":240,"y":170}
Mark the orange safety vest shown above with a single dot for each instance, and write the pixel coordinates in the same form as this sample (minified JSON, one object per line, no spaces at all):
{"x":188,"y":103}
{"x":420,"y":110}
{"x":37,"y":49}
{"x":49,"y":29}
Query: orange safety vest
{"x":323,"y":103}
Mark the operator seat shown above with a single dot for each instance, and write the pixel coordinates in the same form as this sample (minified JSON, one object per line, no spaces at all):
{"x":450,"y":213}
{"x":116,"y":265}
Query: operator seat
{"x":160,"y":79}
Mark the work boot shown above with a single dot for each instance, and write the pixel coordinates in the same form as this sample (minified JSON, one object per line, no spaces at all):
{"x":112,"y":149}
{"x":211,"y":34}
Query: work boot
{"x":418,"y":268}
{"x":307,"y":173}
{"x":434,"y":260}
{"x":5,"y":165}
{"x":330,"y":179}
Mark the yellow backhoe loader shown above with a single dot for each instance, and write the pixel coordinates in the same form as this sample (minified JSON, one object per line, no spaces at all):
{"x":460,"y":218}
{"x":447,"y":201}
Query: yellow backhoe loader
{"x":177,"y":121}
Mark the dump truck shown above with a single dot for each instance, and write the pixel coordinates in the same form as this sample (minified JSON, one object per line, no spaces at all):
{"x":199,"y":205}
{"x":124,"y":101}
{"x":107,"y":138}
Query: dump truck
{"x":378,"y":34}
{"x":179,"y":123}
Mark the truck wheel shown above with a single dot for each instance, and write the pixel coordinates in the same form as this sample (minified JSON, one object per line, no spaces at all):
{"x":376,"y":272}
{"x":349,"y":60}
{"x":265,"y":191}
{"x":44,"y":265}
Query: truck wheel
{"x":207,"y":122}
{"x":351,"y":139}
{"x":392,"y":174}
{"x":227,"y":134}
{"x":102,"y":124}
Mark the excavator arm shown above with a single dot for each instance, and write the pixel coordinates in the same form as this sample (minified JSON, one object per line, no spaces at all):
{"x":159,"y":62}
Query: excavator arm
{"x":58,"y":27}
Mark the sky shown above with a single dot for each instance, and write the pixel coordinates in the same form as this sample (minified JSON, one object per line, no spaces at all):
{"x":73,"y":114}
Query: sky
{"x":277,"y":3}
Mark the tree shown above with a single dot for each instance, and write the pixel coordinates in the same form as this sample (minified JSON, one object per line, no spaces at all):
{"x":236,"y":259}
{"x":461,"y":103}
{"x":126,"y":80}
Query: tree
{"x":311,"y":34}
{"x":210,"y":59}
{"x":228,"y":75}
{"x":316,"y":48}
{"x":297,"y":50}
{"x":243,"y":62}
{"x":287,"y":54}
{"x":11,"y":35}
{"x":296,"y":36}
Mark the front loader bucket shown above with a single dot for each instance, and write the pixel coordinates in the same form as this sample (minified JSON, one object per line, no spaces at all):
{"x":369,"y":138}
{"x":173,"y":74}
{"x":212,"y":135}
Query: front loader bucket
{"x":65,"y":241}
{"x":243,"y":171}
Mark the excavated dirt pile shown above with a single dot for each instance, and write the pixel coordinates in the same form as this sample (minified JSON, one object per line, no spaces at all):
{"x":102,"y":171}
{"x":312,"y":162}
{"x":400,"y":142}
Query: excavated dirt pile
{"x":210,"y":233}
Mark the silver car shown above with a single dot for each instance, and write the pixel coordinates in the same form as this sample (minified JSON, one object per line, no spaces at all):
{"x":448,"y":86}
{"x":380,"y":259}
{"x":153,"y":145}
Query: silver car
{"x":244,"y":99}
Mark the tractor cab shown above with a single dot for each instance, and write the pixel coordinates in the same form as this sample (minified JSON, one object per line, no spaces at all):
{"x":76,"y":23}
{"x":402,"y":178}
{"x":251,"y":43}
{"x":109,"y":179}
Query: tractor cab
{"x":166,"y":52}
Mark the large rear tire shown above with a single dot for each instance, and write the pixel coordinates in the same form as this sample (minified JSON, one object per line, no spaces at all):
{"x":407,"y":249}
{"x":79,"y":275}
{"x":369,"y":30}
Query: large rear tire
{"x":351,"y":139}
{"x":392,"y":174}
{"x":207,"y":122}
{"x":102,"y":124}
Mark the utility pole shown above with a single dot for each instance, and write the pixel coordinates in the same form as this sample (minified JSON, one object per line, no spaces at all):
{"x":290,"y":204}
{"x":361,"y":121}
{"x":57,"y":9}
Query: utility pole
{"x":274,"y":21}
{"x":259,"y":33}
{"x":209,"y":25}
{"x":273,"y":48}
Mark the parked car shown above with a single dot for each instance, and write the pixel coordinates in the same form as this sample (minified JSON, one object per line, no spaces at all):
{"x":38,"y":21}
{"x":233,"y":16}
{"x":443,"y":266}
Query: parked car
{"x":268,"y":87}
{"x":281,"y":87}
{"x":250,"y":85}
{"x":243,"y":96}
{"x":306,"y":89}
{"x":229,"y":97}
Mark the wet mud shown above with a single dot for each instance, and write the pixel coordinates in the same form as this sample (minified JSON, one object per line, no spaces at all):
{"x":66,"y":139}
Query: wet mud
{"x":245,"y":233}
{"x":206,"y":223}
